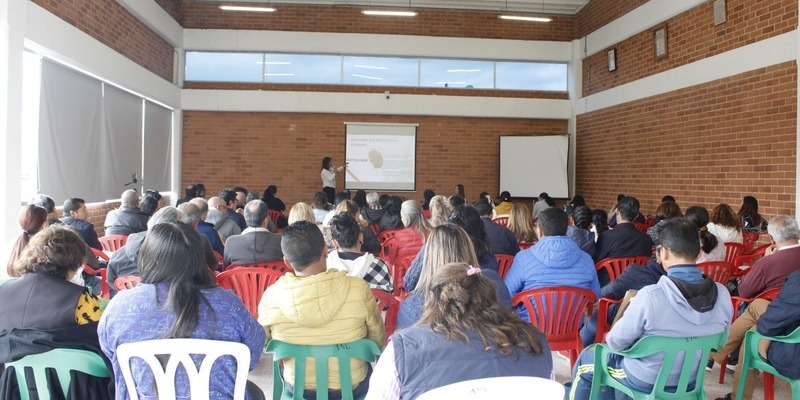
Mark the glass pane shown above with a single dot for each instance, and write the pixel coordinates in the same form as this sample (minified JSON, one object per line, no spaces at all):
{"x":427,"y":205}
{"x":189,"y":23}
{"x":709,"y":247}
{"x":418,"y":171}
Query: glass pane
{"x":381,"y":71}
{"x":302,"y":68}
{"x":532,"y":76}
{"x":457,"y":73}
{"x":224,"y":67}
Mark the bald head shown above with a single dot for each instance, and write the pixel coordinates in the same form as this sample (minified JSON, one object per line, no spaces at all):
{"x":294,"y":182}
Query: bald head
{"x":192,"y":213}
{"x":130,"y":198}
{"x":216,"y":202}
{"x":202,"y":204}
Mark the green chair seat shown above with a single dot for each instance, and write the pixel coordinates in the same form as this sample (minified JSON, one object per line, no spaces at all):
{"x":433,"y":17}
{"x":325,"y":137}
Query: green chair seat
{"x":63,"y":361}
{"x":752,"y":360}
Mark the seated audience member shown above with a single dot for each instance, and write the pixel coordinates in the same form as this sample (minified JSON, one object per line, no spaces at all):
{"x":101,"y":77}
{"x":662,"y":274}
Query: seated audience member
{"x":748,"y":214}
{"x":32,"y":219}
{"x":49,"y":205}
{"x":460,"y":191}
{"x":427,"y":195}
{"x":462,"y":321}
{"x":410,"y":239}
{"x":519,"y":223}
{"x":230,"y":197}
{"x":200,"y":190}
{"x":123,"y":261}
{"x":456,"y":200}
{"x":370,"y":242}
{"x":252,"y":195}
{"x":189,"y":193}
{"x":685,"y":303}
{"x":178,"y":298}
{"x":725,"y":224}
{"x":347,"y":237}
{"x":218,"y":216}
{"x":198,"y":215}
{"x":555,"y":261}
{"x":578,"y":230}
{"x":778,"y":318}
{"x":501,"y":239}
{"x":449,"y":243}
{"x":504,"y":207}
{"x":301,"y":212}
{"x":666,"y":211}
{"x":76,"y":215}
{"x":544,"y":203}
{"x":374,"y":210}
{"x":256,"y":244}
{"x":241,"y":198}
{"x":360,"y":198}
{"x":599,"y":223}
{"x":391,"y":218}
{"x":128,"y":218}
{"x":150,"y":202}
{"x":319,"y":306}
{"x":668,"y":197}
{"x":337,"y":200}
{"x":624,"y":240}
{"x":711,"y":248}
{"x":577,"y":201}
{"x":612,"y":213}
{"x":440,"y":211}
{"x":320,"y":206}
{"x":274,"y":203}
{"x":780,"y":260}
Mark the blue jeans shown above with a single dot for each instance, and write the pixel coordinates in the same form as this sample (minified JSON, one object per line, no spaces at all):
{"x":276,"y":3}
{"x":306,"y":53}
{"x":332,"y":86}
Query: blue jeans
{"x":583,"y":373}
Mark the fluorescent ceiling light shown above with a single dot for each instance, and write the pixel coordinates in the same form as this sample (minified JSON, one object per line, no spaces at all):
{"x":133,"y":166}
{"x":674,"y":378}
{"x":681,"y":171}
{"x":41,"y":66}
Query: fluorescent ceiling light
{"x":375,"y":78}
{"x":242,"y":8}
{"x":521,"y":18}
{"x":463,"y":70}
{"x":278,"y":74}
{"x":390,"y":13}
{"x":369,"y":66}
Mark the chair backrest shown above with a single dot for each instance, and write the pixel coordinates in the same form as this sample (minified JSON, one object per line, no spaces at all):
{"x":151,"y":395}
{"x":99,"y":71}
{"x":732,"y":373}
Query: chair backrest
{"x":719,"y":271}
{"x":525,"y":245}
{"x":389,"y":305}
{"x":101,"y":272}
{"x":615,"y":266}
{"x":386,"y":249}
{"x":504,"y":262}
{"x":362,"y":349}
{"x":387,"y":234}
{"x":641,"y":226}
{"x":180,"y":352}
{"x":63,"y":361}
{"x":399,"y":269}
{"x":500,"y":221}
{"x":249,"y":284}
{"x":100,"y":255}
{"x":279,"y":266}
{"x":556,"y":311}
{"x":113,"y":242}
{"x":732,"y":250}
{"x":769,"y":294}
{"x":273,"y":216}
{"x":749,"y":240}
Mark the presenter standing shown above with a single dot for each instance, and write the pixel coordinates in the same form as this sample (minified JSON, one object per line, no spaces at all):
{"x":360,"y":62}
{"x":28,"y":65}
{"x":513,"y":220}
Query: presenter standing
{"x":328,"y":175}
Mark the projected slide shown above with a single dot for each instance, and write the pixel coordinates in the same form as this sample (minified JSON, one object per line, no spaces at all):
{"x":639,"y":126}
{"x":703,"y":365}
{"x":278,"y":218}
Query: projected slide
{"x":530,"y":165}
{"x":380,"y":156}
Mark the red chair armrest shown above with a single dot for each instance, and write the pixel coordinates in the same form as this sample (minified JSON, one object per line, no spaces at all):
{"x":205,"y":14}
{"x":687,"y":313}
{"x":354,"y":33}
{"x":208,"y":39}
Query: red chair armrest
{"x":602,"y":319}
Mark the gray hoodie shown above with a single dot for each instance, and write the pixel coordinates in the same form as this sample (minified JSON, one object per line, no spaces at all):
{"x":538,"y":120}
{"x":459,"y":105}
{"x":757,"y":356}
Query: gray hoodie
{"x":224,"y":226}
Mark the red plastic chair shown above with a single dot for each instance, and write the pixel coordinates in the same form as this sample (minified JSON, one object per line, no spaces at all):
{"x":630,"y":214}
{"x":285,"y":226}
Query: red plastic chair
{"x":249,"y":284}
{"x":719,"y":271}
{"x":383,"y":236}
{"x":279,"y":266}
{"x":100,"y":255}
{"x":641,"y":226}
{"x":220,"y":260}
{"x":106,"y":294}
{"x":749,"y":240}
{"x":749,"y":259}
{"x":733,"y":250}
{"x":387,"y":247}
{"x":558,"y":313}
{"x":615,"y":266}
{"x":127,"y":282}
{"x":426,"y":214}
{"x":113,"y":243}
{"x":602,"y":319}
{"x":399,"y":269}
{"x":389,"y":305}
{"x":273,"y":216}
{"x":525,"y":245}
{"x":501,"y":221}
{"x":504,"y":262}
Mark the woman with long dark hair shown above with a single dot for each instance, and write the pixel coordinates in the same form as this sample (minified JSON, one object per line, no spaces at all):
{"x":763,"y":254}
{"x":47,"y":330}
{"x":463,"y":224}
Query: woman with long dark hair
{"x":712,"y":248}
{"x":752,"y":221}
{"x":31,"y":219}
{"x":328,"y":175}
{"x":178,"y":298}
{"x":461,"y":321}
{"x":391,"y":218}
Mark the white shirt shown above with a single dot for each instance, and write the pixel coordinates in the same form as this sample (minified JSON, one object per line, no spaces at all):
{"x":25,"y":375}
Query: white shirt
{"x":329,"y":176}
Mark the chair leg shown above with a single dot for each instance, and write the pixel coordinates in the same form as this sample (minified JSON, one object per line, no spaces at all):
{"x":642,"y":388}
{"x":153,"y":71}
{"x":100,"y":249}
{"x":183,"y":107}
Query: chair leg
{"x":722,"y":367}
{"x":769,"y":386}
{"x":573,"y":358}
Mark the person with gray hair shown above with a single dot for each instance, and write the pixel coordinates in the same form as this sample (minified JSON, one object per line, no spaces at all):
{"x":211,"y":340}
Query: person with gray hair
{"x":374,"y":211}
{"x":256,"y":244}
{"x":205,"y":228}
{"x":128,"y":218}
{"x":218,"y":216}
{"x":780,"y":260}
{"x":123,"y":261}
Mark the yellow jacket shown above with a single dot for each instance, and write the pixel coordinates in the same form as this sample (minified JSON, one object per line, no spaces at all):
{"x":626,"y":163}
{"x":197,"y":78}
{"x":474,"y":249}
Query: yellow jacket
{"x":326,"y":308}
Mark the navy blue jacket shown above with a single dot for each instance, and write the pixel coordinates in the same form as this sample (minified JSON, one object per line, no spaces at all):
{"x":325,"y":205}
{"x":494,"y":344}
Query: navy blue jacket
{"x":782,"y":318}
{"x":86,"y":229}
{"x":634,"y":277}
{"x":236,"y":217}
{"x":204,"y":228}
{"x":501,"y":239}
{"x":584,"y":238}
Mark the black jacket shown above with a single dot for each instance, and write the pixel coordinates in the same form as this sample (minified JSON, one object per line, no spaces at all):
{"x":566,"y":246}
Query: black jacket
{"x":782,"y":318}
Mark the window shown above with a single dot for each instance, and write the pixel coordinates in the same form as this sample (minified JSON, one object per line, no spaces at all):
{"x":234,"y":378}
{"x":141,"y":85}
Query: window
{"x":531,"y":76}
{"x":224,"y":67}
{"x":457,"y":74}
{"x":302,"y":68}
{"x":380,"y":71}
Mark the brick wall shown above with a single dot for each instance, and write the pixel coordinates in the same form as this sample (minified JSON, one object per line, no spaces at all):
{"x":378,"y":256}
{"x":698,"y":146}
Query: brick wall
{"x":258,"y":149}
{"x":691,"y":36}
{"x":109,"y":23}
{"x":172,"y":7}
{"x":347,"y":19}
{"x":599,"y":13}
{"x":707,"y":144}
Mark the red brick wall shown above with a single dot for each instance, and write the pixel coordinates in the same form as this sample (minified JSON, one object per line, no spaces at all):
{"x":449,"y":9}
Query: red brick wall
{"x":599,"y":13}
{"x":691,"y":36}
{"x":707,"y":144}
{"x":347,"y":19}
{"x":172,"y":7}
{"x":258,"y":149}
{"x":109,"y":23}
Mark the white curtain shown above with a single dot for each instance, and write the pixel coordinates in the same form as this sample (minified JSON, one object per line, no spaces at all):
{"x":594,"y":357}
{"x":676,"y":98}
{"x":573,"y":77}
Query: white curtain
{"x":157,"y":147}
{"x":122,"y":140}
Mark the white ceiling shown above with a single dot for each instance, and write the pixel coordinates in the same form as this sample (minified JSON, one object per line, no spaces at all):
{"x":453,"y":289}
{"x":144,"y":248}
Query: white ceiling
{"x":568,"y":7}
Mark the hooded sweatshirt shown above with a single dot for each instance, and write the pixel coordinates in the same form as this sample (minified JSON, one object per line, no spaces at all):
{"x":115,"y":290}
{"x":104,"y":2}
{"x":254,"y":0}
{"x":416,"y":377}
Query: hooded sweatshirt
{"x":224,"y":226}
{"x":123,"y":261}
{"x":326,"y":308}
{"x":371,"y":269}
{"x":663,"y":309}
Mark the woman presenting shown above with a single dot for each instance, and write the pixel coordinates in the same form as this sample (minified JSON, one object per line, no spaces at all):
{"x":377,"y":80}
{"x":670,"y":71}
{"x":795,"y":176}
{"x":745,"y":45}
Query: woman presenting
{"x":328,"y":175}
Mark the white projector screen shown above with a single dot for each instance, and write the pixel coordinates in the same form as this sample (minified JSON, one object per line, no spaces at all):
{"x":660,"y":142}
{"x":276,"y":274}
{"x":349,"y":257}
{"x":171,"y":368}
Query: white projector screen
{"x":380,"y":156}
{"x":530,"y":165}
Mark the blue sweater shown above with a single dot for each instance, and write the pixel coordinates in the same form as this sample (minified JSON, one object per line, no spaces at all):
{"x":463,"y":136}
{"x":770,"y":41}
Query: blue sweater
{"x":553,"y":261}
{"x":782,"y":318}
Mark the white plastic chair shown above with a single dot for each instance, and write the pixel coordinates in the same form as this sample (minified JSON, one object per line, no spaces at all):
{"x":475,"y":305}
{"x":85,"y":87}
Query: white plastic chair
{"x":179,"y":351}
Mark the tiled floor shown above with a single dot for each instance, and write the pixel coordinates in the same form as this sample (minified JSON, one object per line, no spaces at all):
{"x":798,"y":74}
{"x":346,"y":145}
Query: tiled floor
{"x":262,"y":376}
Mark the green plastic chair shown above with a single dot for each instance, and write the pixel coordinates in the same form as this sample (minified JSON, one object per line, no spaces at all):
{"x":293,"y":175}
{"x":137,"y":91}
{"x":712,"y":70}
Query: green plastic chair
{"x":362,"y":349}
{"x":671,"y":348}
{"x":63,"y":361}
{"x":752,"y":360}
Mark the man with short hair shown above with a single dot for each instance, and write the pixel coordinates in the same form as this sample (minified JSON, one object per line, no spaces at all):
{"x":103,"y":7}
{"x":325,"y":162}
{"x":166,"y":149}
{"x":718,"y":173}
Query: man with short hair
{"x":555,"y":261}
{"x":624,"y":240}
{"x":189,"y":193}
{"x":685,"y":303}
{"x":316,"y":306}
{"x":128,"y":218}
{"x":218,"y":215}
{"x":76,"y":215}
{"x":49,"y":205}
{"x":200,"y":190}
{"x":780,"y":260}
{"x":206,"y":228}
{"x":256,"y":244}
{"x":229,"y":196}
{"x":501,"y":239}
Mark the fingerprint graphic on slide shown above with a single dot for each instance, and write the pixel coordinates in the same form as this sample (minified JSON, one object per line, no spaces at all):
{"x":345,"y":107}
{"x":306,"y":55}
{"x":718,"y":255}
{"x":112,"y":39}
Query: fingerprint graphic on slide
{"x":376,"y":158}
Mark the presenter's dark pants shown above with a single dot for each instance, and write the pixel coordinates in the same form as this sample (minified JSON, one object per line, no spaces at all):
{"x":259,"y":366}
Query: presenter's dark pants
{"x":330,"y":193}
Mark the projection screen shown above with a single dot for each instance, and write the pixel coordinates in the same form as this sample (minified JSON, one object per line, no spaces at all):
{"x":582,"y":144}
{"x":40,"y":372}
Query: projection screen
{"x":380,"y":156}
{"x":530,"y":165}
